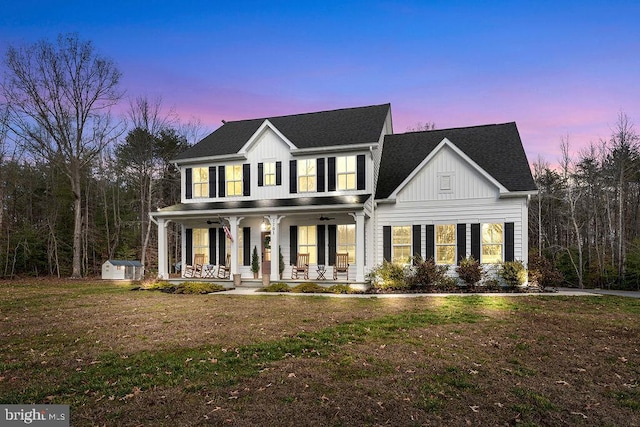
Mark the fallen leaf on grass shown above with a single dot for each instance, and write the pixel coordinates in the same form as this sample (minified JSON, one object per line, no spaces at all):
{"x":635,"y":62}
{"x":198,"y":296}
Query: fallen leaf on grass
{"x":475,"y":408}
{"x":561,"y":382}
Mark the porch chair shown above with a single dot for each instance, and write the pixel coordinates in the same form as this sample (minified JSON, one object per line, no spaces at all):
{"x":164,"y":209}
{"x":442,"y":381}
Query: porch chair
{"x":342,"y":265}
{"x":302,"y":266}
{"x":195,"y":269}
{"x":224,"y":271}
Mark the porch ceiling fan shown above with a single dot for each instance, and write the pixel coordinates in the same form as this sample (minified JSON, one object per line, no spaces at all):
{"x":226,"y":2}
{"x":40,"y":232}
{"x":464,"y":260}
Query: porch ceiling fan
{"x":213,"y":221}
{"x":325,"y":218}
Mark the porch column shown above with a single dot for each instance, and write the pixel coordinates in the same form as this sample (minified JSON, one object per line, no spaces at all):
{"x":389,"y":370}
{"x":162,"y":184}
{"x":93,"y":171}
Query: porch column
{"x":274,"y":220}
{"x":234,"y":221}
{"x":360,"y":239}
{"x":163,"y":272}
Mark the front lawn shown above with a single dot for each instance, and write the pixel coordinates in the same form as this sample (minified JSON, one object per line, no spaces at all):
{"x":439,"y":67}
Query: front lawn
{"x":150,"y":358}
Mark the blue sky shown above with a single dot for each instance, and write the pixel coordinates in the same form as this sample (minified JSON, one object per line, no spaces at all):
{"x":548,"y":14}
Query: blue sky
{"x":555,"y":68}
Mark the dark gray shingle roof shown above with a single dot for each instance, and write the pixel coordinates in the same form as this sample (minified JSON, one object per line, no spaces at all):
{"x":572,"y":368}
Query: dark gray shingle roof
{"x":321,"y":129}
{"x":495,"y":148}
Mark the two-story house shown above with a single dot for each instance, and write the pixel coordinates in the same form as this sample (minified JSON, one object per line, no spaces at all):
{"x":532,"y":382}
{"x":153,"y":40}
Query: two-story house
{"x":340,"y":181}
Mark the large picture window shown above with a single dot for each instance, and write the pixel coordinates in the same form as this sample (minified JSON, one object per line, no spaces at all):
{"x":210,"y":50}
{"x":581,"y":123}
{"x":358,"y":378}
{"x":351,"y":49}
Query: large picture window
{"x":201,"y":243}
{"x":346,"y":172}
{"x":234,"y":180}
{"x":347,"y":240}
{"x":492,"y":242}
{"x":401,"y":244}
{"x":200,"y":182}
{"x":306,"y":175}
{"x":446,"y":244}
{"x":307,"y":242}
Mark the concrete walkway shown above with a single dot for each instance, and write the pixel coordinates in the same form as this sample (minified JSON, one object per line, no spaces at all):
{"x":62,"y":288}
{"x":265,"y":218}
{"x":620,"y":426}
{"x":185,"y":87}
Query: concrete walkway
{"x":559,"y":292}
{"x":628,"y":294}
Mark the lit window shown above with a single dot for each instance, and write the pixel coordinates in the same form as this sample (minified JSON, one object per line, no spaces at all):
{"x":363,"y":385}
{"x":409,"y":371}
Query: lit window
{"x":347,"y":240}
{"x":306,"y":175}
{"x":346,"y":172}
{"x":201,"y":243}
{"x":492,"y":240}
{"x":446,"y":244}
{"x":401,"y":244}
{"x":307,"y":242}
{"x":269,"y":173}
{"x":234,"y":180}
{"x":200,"y":178}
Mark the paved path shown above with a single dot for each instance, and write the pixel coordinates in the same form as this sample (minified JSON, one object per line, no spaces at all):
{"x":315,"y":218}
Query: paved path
{"x":562,"y":291}
{"x":628,"y":294}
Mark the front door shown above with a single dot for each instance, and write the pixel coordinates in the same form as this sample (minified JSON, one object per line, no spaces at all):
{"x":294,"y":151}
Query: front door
{"x":266,"y":253}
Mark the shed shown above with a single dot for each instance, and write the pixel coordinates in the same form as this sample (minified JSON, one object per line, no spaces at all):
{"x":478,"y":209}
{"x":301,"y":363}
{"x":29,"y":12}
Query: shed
{"x":122,"y":270}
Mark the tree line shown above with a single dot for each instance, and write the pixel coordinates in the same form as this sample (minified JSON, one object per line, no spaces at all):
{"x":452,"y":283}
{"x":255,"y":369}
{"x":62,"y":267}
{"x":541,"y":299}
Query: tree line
{"x":77,"y":182}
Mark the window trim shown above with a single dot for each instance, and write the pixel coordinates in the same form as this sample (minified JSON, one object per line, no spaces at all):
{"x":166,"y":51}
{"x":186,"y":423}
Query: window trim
{"x":200,"y":182}
{"x":342,"y":244}
{"x":452,"y":244}
{"x":309,"y":163}
{"x":501,"y":244}
{"x":234,"y":171}
{"x":343,"y":162}
{"x":395,"y":246}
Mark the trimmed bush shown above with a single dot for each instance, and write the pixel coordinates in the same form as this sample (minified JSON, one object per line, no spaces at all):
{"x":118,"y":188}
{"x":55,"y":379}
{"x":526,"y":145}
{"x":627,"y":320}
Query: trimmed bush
{"x":426,"y":273}
{"x":340,"y":289}
{"x":308,"y":288}
{"x":542,"y":272}
{"x":469,"y":270}
{"x":513,"y":273}
{"x":276,"y":287}
{"x":388,"y":276}
{"x":187,"y":287}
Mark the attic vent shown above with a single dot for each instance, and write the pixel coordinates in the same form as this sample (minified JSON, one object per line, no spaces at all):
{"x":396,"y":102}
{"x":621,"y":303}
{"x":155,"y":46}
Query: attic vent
{"x":445,"y":182}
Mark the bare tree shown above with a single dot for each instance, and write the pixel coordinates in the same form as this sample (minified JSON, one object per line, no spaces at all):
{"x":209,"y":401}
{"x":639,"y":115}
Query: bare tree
{"x":59,"y":98}
{"x":419,"y":127}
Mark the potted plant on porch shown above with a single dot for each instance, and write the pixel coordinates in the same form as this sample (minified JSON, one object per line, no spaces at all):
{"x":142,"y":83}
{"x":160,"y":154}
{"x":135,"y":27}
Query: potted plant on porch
{"x":255,"y":263}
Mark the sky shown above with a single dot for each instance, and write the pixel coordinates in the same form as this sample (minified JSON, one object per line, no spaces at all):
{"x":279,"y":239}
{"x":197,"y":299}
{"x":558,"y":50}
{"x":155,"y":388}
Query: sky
{"x":559,"y":69}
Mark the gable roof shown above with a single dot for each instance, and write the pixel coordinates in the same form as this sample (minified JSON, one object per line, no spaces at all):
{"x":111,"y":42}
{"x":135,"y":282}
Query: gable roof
{"x":310,"y":130}
{"x":497,"y":149}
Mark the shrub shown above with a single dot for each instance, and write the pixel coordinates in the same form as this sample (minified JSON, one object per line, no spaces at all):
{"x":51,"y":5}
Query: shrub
{"x":308,"y":288}
{"x":163,"y":287}
{"x":276,"y":287}
{"x":469,"y":270}
{"x":340,"y":289}
{"x":513,"y":273}
{"x":187,"y":287}
{"x":426,"y":273}
{"x":447,"y":284}
{"x":542,"y":271}
{"x":388,"y":276}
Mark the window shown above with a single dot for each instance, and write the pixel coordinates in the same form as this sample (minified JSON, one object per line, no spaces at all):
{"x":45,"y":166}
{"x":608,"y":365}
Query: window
{"x":200,"y":182}
{"x":347,"y":240}
{"x":492,"y":240}
{"x":269,"y":173}
{"x":307,"y":242}
{"x":201,"y":243}
{"x":446,"y":244}
{"x":306,"y":175}
{"x":234,"y":180}
{"x":346,"y":172}
{"x":401,"y":244}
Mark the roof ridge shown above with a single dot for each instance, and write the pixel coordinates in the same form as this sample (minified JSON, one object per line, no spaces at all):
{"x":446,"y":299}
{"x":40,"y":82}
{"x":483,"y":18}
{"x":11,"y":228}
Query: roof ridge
{"x":455,"y":128}
{"x":308,"y":113}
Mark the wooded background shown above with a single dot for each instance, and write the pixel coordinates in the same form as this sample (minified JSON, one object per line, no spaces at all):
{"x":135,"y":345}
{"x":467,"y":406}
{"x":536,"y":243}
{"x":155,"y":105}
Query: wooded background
{"x":77,"y":182}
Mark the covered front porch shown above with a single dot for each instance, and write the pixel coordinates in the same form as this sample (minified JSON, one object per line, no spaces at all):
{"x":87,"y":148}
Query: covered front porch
{"x":225,"y":241}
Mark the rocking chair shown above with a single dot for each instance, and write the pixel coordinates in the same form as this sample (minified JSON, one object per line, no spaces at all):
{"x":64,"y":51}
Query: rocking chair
{"x":341,"y":266}
{"x":224,"y":271}
{"x":195,"y":270}
{"x":302,"y":266}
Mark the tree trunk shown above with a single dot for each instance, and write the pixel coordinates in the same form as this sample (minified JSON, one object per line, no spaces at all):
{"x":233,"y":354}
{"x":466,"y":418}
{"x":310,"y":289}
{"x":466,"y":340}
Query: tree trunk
{"x":76,"y":189}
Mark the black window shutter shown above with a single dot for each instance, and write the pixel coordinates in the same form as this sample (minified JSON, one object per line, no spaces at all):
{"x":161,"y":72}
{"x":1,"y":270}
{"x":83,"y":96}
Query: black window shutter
{"x":333,"y":243}
{"x":293,"y":176}
{"x":321,"y":244}
{"x":461,"y":235}
{"x":360,"y":171}
{"x":222,"y":247}
{"x":293,"y":244}
{"x":386,"y":242}
{"x":430,"y":242}
{"x":212,"y":245}
{"x":260,"y":174}
{"x":246,"y":179}
{"x":278,"y":173}
{"x":475,"y":241}
{"x":331,"y":174}
{"x":246,"y":245}
{"x":417,"y":241}
{"x":188,"y":183}
{"x":188,"y":237}
{"x":509,"y":242}
{"x":221,"y":181}
{"x":320,"y":175}
{"x":212,"y":181}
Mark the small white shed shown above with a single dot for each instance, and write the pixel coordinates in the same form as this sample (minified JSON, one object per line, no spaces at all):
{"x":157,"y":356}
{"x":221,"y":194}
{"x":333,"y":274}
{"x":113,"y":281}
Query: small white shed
{"x":122,"y":270}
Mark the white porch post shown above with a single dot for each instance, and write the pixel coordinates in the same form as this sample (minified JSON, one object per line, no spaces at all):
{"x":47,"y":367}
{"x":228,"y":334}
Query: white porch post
{"x":274,"y":220}
{"x":234,"y":221}
{"x":163,"y":272}
{"x":359,"y":217}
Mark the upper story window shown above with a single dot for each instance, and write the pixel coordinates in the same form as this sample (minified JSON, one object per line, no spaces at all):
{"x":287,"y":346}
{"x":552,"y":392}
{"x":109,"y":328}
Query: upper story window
{"x":200,"y":182}
{"x":269,"y":173}
{"x":234,"y":180}
{"x":347,"y":240}
{"x":346,"y":172}
{"x":306,"y":175}
{"x":492,"y":241}
{"x":401,"y":244}
{"x":446,"y":244}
